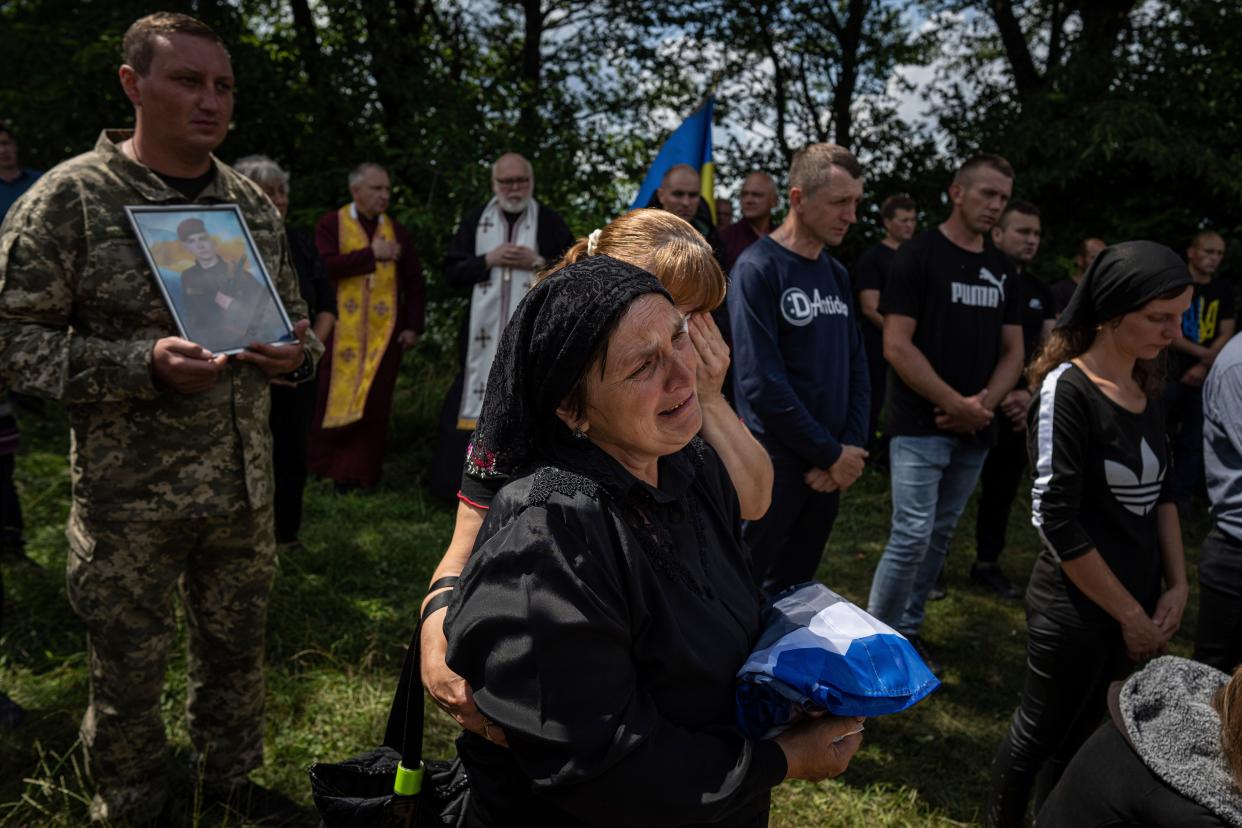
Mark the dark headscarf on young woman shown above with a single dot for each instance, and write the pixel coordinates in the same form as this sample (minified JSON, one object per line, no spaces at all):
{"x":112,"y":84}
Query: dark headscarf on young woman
{"x":544,"y":350}
{"x":1122,"y":279}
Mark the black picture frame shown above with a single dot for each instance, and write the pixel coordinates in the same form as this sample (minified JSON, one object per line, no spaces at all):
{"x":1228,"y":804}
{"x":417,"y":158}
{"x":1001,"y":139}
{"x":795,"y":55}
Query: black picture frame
{"x":210,"y":273}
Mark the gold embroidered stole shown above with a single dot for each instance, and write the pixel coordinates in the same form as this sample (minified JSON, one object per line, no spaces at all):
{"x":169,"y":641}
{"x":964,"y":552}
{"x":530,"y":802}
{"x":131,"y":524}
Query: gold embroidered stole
{"x":367,"y":316}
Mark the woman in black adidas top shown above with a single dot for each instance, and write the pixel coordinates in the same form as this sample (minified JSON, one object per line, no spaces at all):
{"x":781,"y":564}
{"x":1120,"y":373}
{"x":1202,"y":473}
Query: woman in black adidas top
{"x":1102,"y":502}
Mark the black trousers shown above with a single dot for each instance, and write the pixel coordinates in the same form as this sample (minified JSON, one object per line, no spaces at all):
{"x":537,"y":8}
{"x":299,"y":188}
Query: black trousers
{"x":1183,"y":407}
{"x":1003,"y":472}
{"x":10,"y":505}
{"x":444,"y":475}
{"x":292,"y":411}
{"x":786,"y":544}
{"x":1064,"y":698}
{"x":877,"y":373}
{"x":1218,"y":634}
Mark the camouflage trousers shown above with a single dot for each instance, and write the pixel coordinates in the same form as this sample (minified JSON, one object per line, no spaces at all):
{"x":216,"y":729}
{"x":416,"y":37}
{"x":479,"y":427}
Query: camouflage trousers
{"x":121,"y":577}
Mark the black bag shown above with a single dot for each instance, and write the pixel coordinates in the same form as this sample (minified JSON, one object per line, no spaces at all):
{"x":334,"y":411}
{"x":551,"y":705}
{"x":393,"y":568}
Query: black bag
{"x":360,"y":792}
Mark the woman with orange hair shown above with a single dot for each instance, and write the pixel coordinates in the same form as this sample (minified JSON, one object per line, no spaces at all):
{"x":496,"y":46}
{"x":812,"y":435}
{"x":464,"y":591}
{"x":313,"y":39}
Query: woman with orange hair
{"x":676,"y":254}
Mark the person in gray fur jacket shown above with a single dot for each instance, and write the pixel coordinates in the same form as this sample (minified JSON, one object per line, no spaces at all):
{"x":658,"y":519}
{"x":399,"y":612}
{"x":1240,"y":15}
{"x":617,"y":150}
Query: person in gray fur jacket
{"x":1169,"y":755}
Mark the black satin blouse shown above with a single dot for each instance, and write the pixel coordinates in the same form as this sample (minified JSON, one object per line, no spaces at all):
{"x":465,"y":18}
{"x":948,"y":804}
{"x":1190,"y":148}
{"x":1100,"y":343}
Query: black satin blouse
{"x":601,"y":621}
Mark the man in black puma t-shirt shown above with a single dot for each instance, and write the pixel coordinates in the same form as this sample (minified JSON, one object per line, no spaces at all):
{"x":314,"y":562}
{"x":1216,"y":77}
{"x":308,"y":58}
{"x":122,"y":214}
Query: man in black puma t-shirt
{"x":953,"y":337}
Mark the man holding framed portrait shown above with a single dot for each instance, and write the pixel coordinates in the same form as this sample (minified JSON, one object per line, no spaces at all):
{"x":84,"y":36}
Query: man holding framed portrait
{"x":171,"y":459}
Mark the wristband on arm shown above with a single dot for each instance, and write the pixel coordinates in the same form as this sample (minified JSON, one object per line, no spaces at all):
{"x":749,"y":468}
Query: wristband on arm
{"x":442,"y":599}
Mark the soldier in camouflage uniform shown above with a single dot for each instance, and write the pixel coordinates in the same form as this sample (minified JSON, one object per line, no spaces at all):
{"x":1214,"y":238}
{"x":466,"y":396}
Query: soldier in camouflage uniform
{"x":171,"y":452}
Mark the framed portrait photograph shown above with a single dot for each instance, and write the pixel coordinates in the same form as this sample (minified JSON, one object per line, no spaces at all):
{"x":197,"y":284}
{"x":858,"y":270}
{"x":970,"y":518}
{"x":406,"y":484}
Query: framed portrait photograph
{"x":216,"y":284}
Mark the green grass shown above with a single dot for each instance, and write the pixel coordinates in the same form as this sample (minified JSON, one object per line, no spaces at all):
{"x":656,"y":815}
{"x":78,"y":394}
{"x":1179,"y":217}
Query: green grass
{"x":341,"y":614}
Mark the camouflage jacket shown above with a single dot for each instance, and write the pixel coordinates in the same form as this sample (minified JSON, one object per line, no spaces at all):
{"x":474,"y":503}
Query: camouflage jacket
{"x":80,"y":312}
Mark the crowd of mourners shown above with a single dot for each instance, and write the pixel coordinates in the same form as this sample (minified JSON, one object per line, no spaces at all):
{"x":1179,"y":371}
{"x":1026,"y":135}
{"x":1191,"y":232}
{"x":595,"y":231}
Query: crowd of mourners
{"x":649,"y":438}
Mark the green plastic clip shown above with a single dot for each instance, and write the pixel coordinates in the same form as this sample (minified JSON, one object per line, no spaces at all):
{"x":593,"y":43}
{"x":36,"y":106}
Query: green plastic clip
{"x":408,"y":782}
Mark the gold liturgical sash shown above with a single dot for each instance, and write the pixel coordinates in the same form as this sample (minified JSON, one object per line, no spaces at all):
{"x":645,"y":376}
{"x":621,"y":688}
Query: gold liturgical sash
{"x":367,"y":315}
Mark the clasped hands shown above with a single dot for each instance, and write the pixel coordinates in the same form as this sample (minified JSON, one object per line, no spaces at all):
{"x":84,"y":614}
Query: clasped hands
{"x":1196,"y":375}
{"x":511,"y":255}
{"x":186,"y":367}
{"x":1145,"y":637}
{"x":966,"y":415}
{"x":840,"y":475}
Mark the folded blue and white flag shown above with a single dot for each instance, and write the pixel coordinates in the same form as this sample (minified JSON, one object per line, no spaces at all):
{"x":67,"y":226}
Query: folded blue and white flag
{"x":819,"y":652}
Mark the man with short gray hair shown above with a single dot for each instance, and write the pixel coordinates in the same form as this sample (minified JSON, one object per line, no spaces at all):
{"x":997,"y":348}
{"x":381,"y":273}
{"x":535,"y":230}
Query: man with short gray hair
{"x":380,"y":298}
{"x":758,"y":200}
{"x":801,"y":372}
{"x":495,"y":254}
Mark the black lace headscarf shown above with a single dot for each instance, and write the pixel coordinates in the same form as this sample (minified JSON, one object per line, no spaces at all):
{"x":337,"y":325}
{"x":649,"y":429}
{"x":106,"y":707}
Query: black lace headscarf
{"x":544,"y":350}
{"x":1122,"y":279}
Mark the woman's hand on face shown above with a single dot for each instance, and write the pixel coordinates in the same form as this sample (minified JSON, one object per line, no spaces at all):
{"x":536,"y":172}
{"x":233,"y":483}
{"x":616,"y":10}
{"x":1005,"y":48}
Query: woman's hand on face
{"x":713,"y":356}
{"x":1142,"y":637}
{"x":448,"y":689}
{"x":1169,"y":608}
{"x":820,"y":748}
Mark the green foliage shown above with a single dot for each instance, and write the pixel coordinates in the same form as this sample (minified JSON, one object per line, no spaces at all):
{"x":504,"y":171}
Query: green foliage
{"x":1126,"y":134}
{"x":1118,"y":115}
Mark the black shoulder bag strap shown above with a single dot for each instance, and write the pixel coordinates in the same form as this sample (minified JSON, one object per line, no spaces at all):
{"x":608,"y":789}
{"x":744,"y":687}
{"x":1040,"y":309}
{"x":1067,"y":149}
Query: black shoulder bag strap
{"x":404,"y":732}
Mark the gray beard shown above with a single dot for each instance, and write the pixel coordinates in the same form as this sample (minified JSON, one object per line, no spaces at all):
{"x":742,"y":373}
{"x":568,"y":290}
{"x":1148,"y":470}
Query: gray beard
{"x":510,"y":205}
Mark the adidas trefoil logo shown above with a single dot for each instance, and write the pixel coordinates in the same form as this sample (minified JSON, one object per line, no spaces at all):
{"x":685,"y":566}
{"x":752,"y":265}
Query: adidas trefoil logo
{"x":1138,"y":495}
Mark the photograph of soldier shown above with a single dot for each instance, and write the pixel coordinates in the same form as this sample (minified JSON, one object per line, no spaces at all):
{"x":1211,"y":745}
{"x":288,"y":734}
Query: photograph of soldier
{"x":219,"y":299}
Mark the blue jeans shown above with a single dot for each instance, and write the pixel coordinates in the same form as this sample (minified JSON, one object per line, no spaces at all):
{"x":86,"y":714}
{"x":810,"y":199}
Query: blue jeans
{"x":932,"y":478}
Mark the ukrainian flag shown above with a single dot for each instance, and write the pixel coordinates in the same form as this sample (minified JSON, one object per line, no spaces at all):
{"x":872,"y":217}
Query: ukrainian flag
{"x":690,"y":143}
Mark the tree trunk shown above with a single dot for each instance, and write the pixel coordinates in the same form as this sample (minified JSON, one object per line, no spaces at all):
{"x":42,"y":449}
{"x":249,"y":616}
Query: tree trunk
{"x":1056,"y":36}
{"x":850,"y":41}
{"x":1093,"y":61}
{"x":532,"y":68}
{"x":308,"y":41}
{"x":380,"y":25}
{"x":1026,"y":77}
{"x":808,"y":102}
{"x":780,"y":91}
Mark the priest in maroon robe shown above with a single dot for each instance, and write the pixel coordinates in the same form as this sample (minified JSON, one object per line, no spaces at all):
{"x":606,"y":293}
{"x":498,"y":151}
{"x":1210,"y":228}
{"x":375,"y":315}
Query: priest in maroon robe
{"x":352,"y":455}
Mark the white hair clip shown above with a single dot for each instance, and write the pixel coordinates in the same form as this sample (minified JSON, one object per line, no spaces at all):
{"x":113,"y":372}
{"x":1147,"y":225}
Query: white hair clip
{"x":593,"y":242}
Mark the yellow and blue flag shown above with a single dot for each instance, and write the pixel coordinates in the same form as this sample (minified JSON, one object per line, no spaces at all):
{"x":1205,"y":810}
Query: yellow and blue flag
{"x":690,"y":143}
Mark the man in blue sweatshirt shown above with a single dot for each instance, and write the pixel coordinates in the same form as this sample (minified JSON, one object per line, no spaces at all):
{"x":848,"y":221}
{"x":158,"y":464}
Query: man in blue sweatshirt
{"x":800,"y":369}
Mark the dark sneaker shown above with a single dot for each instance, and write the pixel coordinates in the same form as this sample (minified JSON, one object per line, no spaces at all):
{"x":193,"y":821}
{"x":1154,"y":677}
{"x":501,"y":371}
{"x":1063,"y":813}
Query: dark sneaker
{"x":11,"y":713}
{"x":940,"y":589}
{"x":256,"y":804}
{"x":991,"y":576}
{"x":920,"y":647}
